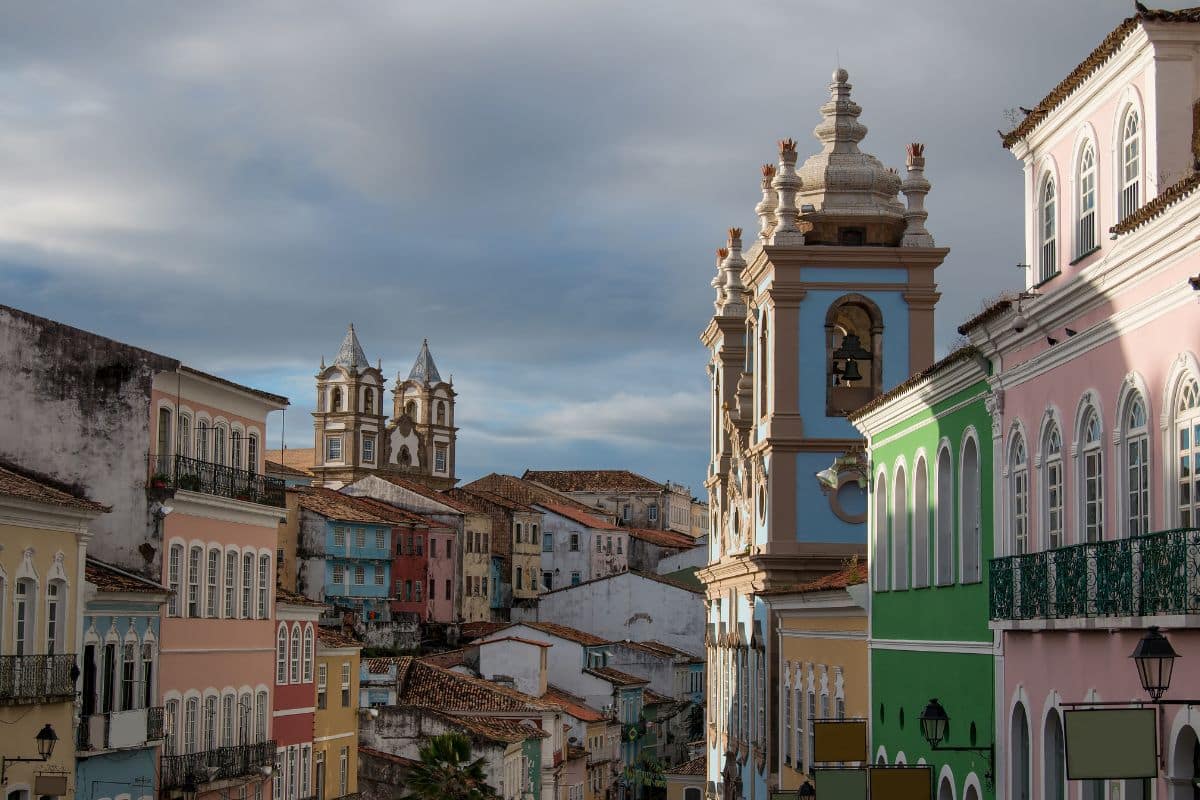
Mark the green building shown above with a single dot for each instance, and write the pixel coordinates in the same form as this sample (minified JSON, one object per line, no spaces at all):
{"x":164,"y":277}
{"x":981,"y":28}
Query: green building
{"x":930,"y":516}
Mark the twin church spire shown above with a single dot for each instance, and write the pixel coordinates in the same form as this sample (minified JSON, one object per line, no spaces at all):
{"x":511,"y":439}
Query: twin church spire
{"x":352,"y":435}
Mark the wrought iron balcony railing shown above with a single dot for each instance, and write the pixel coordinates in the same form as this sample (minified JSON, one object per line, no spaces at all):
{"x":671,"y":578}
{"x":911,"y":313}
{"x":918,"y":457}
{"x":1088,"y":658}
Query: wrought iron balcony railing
{"x":36,"y":679}
{"x":194,"y":475}
{"x":223,"y":763}
{"x":134,"y":727}
{"x":1158,"y":573}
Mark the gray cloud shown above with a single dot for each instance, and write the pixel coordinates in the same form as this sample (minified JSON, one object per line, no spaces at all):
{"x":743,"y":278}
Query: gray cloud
{"x":535,"y":186}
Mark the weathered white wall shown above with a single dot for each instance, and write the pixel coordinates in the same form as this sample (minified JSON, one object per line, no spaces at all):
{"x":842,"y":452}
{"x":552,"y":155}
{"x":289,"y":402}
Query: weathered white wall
{"x":696,"y":557}
{"x":521,"y":665}
{"x":565,"y":663}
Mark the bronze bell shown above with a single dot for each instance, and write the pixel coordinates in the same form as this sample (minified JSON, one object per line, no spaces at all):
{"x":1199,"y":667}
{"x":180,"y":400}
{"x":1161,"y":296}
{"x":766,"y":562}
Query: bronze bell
{"x":851,"y":373}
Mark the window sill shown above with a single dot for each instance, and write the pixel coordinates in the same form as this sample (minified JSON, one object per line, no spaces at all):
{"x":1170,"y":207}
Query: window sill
{"x":1049,"y":278}
{"x":1082,"y":256}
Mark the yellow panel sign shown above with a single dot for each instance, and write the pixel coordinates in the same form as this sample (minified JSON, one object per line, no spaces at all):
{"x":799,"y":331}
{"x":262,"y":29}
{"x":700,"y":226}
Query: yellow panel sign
{"x":840,"y":740}
{"x":901,"y":783}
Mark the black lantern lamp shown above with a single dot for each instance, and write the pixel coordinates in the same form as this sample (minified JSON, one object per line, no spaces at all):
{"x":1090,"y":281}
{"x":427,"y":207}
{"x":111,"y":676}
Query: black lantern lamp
{"x":850,"y":352}
{"x":807,"y":790}
{"x":46,"y":738}
{"x":1155,"y":659}
{"x":934,"y":721}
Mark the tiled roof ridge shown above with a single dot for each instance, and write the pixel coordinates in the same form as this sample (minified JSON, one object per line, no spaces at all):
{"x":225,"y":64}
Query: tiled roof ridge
{"x":37,"y":486}
{"x":652,"y":576}
{"x":147,"y":585}
{"x":1159,"y":205}
{"x":406,"y":671}
{"x":336,"y":639}
{"x":587,"y":519}
{"x":567,"y":632}
{"x":1107,"y":48}
{"x":295,"y":598}
{"x":536,"y":492}
{"x":400,"y":514}
{"x":961,"y":354}
{"x":986,"y":315}
{"x":697,"y":766}
{"x":615,"y":675}
{"x":650,"y":534}
{"x":496,"y":499}
{"x":337,"y":506}
{"x":563,"y":475}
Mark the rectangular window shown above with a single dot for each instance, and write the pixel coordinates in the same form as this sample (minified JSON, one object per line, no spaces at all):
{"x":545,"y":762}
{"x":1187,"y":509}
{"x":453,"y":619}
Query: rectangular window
{"x":547,"y":580}
{"x":786,"y":724}
{"x":343,"y":770}
{"x":812,"y":729}
{"x":599,"y":544}
{"x":305,"y":769}
{"x":345,"y":684}
{"x":247,"y":584}
{"x":360,"y":575}
{"x":147,"y":675}
{"x":574,"y":542}
{"x":619,"y":545}
{"x":485,"y":592}
{"x":439,"y":458}
{"x":368,"y":448}
{"x":1093,"y":496}
{"x":1054,"y":503}
{"x":449,"y":589}
{"x":264,"y":576}
{"x":170,"y":728}
{"x":1138,"y":475}
{"x":408,"y":591}
{"x":260,"y":717}
{"x":547,"y":542}
{"x":128,"y":676}
{"x":432,"y":547}
{"x":625,"y":512}
{"x":576,"y":578}
{"x":210,"y":723}
{"x":380,"y":540}
{"x":193,"y":599}
{"x":191,"y":712}
{"x":231,"y":562}
{"x":214,"y":573}
{"x":333,"y":448}
{"x":322,"y":676}
{"x":420,"y":545}
{"x":449,"y":548}
{"x":339,"y":575}
{"x":227,"y":721}
{"x":378,"y":575}
{"x":652,"y":512}
{"x":360,"y":538}
{"x":339,"y":536}
{"x":417,"y":591}
{"x":252,"y":452}
{"x":173,"y":566}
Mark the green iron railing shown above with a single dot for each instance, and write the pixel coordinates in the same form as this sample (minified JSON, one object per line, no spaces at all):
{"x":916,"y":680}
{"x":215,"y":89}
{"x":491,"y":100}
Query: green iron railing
{"x":1158,"y":573}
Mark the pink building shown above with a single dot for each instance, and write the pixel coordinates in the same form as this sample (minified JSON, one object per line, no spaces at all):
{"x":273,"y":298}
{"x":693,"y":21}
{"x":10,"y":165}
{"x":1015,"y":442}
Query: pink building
{"x":443,"y":556}
{"x":1096,"y":409}
{"x":217,"y":515}
{"x":294,"y":706}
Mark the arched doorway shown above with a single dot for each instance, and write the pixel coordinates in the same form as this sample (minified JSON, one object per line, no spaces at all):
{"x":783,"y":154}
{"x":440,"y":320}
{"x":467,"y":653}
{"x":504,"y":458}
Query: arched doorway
{"x":1019,"y":737}
{"x":971,"y":793}
{"x":1185,"y":765}
{"x":945,"y":789}
{"x":1054,"y":759}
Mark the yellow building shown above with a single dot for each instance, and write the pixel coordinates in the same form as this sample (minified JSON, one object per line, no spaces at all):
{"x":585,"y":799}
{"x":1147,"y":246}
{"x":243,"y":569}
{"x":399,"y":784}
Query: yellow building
{"x":335,"y":731}
{"x":822,"y":633}
{"x":686,"y":782}
{"x":43,"y":530}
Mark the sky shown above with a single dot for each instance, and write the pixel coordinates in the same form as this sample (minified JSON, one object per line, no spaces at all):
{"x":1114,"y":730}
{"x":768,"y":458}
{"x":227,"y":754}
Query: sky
{"x":535,"y":186}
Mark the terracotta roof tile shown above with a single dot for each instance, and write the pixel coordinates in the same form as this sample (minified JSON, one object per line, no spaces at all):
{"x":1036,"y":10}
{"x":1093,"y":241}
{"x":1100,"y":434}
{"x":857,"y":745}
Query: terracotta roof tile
{"x":24,"y":484}
{"x":583,"y":518}
{"x":331,"y":638}
{"x":1166,"y":198}
{"x":520,"y":639}
{"x":432,"y":494}
{"x":565,"y":632}
{"x":592,"y":480}
{"x":391,"y":513}
{"x":274,"y":467}
{"x":476,"y":630}
{"x":574,"y":751}
{"x":961,"y":354}
{"x":662,"y":650}
{"x":497,"y":729}
{"x":395,"y":759}
{"x":447,"y":659}
{"x":990,"y":313}
{"x":852,"y":575}
{"x":491,"y":497}
{"x":423,"y":684}
{"x":296,"y":458}
{"x":650,"y":698}
{"x":107,"y":578}
{"x":575,"y":706}
{"x":283,"y":595}
{"x":527,"y":492}
{"x":329,"y":503}
{"x":663,"y":538}
{"x":697,"y":766}
{"x":616,"y":677}
{"x":380,"y":666}
{"x":1096,"y":59}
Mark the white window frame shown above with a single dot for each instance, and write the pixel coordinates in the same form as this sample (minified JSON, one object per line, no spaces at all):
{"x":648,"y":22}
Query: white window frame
{"x":232,"y":559}
{"x":281,"y":654}
{"x":294,"y":653}
{"x":212,"y":596}
{"x":1087,"y":211}
{"x":174,"y":571}
{"x":1091,"y":477}
{"x":308,"y":653}
{"x":1129,"y":164}
{"x":1136,"y":469}
{"x":264,"y":582}
{"x":195,"y":600}
{"x":1018,"y":489}
{"x":1185,"y":501}
{"x":900,"y":520}
{"x":1047,"y":229}
{"x":333,"y":448}
{"x":1052,"y":488}
{"x":920,"y":524}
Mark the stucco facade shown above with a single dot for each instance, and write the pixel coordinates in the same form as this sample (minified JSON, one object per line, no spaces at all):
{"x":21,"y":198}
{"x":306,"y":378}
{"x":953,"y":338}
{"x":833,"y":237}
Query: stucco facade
{"x":335,"y":719}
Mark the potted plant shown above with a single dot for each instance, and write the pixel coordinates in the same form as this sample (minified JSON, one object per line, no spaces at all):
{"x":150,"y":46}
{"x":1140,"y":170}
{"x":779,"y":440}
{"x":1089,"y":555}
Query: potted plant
{"x":189,"y":482}
{"x":159,"y":480}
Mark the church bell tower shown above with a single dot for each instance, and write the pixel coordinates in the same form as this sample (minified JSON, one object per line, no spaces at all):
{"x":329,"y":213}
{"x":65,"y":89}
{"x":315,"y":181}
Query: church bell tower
{"x":349,"y":421}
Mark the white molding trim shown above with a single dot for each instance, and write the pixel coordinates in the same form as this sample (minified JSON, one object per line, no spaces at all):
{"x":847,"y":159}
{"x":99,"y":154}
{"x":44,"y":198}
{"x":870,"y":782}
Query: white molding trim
{"x":932,"y":646}
{"x":227,"y":510}
{"x":822,"y":634}
{"x":934,"y":389}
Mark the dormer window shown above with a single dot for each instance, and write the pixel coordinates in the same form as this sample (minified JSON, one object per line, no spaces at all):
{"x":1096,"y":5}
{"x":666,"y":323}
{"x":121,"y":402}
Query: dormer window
{"x":1131,"y":165}
{"x":1085,"y":234}
{"x":1048,"y":263}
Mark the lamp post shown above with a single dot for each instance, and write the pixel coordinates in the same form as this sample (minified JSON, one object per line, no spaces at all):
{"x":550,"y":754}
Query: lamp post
{"x":934,"y":722}
{"x":1155,"y":659}
{"x":46,"y":738}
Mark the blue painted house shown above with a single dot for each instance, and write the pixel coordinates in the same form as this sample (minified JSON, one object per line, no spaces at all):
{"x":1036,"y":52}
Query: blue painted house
{"x":830,"y":305}
{"x":344,"y":554}
{"x":121,"y":724}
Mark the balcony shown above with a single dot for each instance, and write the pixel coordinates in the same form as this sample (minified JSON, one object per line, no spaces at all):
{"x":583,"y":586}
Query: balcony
{"x":119,"y":729}
{"x":37,"y":679}
{"x":179,"y":472}
{"x":1151,"y":575}
{"x":223,"y":763}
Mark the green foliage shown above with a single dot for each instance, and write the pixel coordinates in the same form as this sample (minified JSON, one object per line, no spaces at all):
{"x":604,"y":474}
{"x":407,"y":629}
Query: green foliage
{"x":445,"y":771}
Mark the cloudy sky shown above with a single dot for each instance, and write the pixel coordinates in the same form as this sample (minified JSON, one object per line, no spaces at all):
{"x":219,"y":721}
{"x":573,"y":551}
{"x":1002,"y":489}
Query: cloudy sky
{"x":536,"y":186}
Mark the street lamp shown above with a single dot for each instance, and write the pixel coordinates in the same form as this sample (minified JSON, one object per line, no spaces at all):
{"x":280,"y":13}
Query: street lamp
{"x":934,"y":724}
{"x":1155,"y":659}
{"x":46,"y":738}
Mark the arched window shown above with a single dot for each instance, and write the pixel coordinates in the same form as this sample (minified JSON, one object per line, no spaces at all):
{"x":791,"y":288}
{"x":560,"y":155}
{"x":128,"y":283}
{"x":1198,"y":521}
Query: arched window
{"x":235,"y":449}
{"x":264,"y":584}
{"x":281,"y":655}
{"x":853,"y":354}
{"x":1185,"y":764}
{"x":218,"y":454}
{"x":1048,"y":262}
{"x":231,"y":568}
{"x":191,"y":724}
{"x":1052,"y":487}
{"x":1187,"y":417}
{"x":441,"y":413}
{"x":183,"y":436}
{"x":295,"y":654}
{"x":900,"y":531}
{"x":405,"y":456}
{"x":879,"y":558}
{"x":335,"y":401}
{"x":1092,"y":478}
{"x":202,"y":440}
{"x":945,"y":789}
{"x":56,"y":608}
{"x":195,"y":563}
{"x":1085,"y":230}
{"x":1018,"y":474}
{"x":212,"y":597}
{"x":368,"y":400}
{"x":163,"y":438}
{"x":410,"y":409}
{"x":1019,"y":733}
{"x":764,"y":362}
{"x":971,"y":537}
{"x":1054,"y":759}
{"x":1131,"y":165}
{"x":247,"y":585}
{"x":920,"y":573}
{"x":945,"y":519}
{"x":308,"y":653}
{"x":1137,"y":468}
{"x":174,"y":565}
{"x":252,"y":452}
{"x":245,"y":712}
{"x":227,"y":717}
{"x":260,"y":717}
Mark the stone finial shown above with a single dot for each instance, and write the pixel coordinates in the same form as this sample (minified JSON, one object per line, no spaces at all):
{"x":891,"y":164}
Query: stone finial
{"x":731,"y":273}
{"x":786,"y":184}
{"x":766,"y":207}
{"x":718,"y":281}
{"x":915,"y":187}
